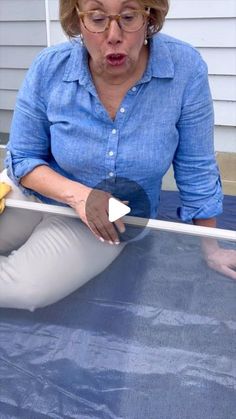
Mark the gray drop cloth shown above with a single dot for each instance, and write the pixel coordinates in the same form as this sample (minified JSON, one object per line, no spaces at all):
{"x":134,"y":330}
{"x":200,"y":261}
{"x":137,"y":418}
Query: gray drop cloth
{"x":152,"y":337}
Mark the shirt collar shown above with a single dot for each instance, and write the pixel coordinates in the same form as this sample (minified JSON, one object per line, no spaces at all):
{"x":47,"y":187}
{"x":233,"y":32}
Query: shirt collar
{"x":160,"y":62}
{"x":77,"y":68}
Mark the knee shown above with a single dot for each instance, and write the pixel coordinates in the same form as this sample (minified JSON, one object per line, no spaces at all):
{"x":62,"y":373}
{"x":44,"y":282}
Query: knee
{"x":23,"y":296}
{"x":23,"y":288}
{"x":33,"y":298}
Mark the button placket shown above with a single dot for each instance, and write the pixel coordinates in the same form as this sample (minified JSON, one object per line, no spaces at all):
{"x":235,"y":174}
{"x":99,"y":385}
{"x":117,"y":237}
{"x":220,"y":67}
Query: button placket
{"x":112,"y":146}
{"x":111,"y":152}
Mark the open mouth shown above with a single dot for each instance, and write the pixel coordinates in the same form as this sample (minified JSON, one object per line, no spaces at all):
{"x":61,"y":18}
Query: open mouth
{"x":116,"y":59}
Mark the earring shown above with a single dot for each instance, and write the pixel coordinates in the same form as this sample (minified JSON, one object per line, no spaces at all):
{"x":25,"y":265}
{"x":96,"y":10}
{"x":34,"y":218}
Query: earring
{"x":81,"y":39}
{"x":145,"y":37}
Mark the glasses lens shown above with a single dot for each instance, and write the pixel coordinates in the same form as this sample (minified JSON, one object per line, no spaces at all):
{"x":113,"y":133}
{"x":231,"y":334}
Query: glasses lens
{"x":96,"y":21}
{"x":131,"y":21}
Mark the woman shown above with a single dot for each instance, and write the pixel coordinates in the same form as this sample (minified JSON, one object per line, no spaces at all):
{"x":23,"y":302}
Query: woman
{"x":118,"y":103}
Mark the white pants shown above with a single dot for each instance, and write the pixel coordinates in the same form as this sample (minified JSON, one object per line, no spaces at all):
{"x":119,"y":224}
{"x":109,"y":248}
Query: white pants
{"x":45,"y":257}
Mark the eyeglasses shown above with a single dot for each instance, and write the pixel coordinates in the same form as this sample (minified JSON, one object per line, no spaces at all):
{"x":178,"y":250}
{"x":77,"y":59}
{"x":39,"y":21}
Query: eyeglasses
{"x":97,"y":22}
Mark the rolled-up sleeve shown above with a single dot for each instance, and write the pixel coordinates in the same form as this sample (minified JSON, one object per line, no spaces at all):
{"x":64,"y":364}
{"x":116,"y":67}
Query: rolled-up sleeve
{"x":196,"y":171}
{"x":29,"y":144}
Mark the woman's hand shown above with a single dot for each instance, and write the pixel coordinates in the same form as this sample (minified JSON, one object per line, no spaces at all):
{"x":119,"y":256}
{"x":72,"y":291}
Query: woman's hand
{"x":92,"y":207}
{"x":219,"y":259}
{"x":90,"y":204}
{"x":223,"y":261}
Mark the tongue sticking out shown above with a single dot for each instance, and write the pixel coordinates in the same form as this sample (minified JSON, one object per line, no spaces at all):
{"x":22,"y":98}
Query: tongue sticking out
{"x":116,"y":59}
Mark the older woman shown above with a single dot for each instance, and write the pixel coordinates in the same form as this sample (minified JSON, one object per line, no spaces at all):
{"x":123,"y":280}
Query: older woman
{"x":115,"y":102}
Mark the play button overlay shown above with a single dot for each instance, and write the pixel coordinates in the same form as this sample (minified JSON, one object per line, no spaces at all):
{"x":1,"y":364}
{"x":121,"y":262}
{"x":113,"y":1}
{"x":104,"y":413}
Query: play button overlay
{"x":116,"y":210}
{"x":126,"y":197}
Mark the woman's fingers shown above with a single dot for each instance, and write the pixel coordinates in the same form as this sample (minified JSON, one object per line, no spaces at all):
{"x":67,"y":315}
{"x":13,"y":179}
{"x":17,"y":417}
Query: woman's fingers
{"x":107,"y":229}
{"x":223,"y":261}
{"x":95,"y":231}
{"x":100,"y":223}
{"x":231,"y":273}
{"x":120,"y":225}
{"x":224,"y":269}
{"x":93,"y":210}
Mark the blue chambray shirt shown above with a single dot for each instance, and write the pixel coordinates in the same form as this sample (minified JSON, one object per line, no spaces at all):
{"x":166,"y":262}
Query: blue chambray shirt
{"x":166,"y":117}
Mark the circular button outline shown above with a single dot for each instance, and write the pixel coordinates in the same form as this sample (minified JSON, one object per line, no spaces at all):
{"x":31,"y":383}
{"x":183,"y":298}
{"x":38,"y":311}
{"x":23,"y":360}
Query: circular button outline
{"x":119,"y":189}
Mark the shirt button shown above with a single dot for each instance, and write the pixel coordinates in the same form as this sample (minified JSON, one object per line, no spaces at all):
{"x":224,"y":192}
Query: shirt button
{"x":122,"y":110}
{"x":134,"y":89}
{"x":113,"y":131}
{"x":111,"y":153}
{"x":111,"y":174}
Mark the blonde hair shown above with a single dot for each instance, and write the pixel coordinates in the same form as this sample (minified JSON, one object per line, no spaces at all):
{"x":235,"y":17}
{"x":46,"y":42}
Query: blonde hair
{"x":70,"y":21}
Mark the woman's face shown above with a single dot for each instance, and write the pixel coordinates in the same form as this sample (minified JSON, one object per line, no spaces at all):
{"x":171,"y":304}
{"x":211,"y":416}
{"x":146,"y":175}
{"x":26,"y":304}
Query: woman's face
{"x":114,"y":54}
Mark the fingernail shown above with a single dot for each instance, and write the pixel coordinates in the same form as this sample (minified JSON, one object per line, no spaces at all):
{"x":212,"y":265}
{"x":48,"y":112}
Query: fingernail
{"x":111,"y":242}
{"x":122,"y":230}
{"x":117,"y":242}
{"x":101,"y":239}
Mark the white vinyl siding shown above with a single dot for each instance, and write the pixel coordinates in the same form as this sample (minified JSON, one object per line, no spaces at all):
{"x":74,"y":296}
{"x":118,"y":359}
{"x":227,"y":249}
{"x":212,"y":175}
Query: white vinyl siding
{"x":210,"y":25}
{"x":22,"y":36}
